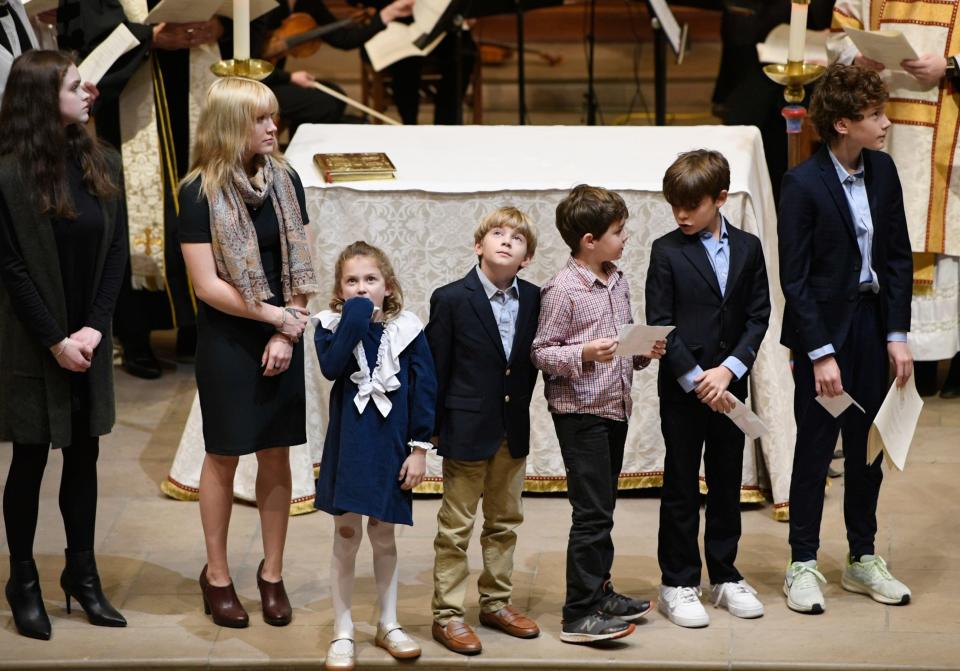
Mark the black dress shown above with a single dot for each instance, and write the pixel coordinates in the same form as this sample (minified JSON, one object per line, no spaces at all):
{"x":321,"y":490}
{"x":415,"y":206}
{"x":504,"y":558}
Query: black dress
{"x":242,"y":410}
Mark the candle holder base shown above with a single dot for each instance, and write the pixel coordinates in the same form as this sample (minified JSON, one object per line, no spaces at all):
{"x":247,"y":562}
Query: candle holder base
{"x":250,"y":68}
{"x":794,"y":76}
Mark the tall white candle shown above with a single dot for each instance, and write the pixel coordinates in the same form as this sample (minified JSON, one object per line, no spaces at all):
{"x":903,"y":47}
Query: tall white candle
{"x":241,"y":29}
{"x":798,"y":31}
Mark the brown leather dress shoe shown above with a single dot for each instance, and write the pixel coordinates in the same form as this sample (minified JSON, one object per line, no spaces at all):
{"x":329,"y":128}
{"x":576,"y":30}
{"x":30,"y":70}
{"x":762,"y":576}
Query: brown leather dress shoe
{"x":457,"y":637}
{"x":511,"y":621}
{"x":222,"y":603}
{"x":273,"y":598}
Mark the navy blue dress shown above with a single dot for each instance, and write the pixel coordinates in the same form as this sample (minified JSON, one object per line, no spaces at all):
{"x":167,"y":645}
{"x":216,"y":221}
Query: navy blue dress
{"x":363,"y":452}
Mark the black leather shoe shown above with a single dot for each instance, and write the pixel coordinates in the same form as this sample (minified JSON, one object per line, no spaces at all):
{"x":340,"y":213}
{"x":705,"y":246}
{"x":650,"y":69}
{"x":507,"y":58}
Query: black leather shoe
{"x":81,"y":581}
{"x":142,"y":366}
{"x":23,"y":595}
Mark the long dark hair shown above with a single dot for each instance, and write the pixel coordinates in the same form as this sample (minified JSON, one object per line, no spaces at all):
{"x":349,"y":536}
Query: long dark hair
{"x":31,"y":130}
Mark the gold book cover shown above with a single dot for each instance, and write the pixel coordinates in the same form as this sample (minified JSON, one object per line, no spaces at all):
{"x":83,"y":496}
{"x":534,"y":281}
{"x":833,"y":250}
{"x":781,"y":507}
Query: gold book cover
{"x":354,"y":167}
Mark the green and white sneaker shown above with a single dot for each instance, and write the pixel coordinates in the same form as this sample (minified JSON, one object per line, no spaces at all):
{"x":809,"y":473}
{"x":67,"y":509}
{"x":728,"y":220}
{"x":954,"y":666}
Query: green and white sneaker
{"x":801,"y":588}
{"x":870,"y":576}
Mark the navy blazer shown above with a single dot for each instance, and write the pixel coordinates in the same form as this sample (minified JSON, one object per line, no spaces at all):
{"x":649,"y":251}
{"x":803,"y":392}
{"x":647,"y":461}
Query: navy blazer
{"x":682,"y":290}
{"x":819,"y":257}
{"x":482,"y":397}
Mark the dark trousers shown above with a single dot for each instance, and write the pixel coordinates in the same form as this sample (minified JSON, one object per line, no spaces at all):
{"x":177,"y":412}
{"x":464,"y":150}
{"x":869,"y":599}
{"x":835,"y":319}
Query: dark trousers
{"x":408,"y":72}
{"x":864,"y":371}
{"x":592,"y":450}
{"x":687,"y":425}
{"x":78,"y":492}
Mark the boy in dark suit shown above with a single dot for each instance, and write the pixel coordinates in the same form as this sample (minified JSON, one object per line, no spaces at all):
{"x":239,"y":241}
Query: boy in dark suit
{"x":708,"y":279}
{"x":480,"y":331}
{"x":846,"y":273}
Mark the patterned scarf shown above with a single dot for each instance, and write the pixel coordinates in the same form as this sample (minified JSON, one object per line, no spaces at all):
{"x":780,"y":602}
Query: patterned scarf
{"x":234,"y":238}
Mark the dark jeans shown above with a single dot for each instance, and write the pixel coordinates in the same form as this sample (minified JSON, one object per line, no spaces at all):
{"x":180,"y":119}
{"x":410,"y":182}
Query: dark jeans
{"x":864,"y":369}
{"x":687,"y":425}
{"x":592,"y":450}
{"x":78,"y":492}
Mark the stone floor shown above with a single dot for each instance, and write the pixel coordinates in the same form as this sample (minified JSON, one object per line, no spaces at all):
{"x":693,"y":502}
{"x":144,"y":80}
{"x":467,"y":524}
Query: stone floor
{"x":150,"y":552}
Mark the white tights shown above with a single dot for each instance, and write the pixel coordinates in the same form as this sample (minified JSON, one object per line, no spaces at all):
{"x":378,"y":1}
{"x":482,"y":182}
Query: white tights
{"x":347,"y":536}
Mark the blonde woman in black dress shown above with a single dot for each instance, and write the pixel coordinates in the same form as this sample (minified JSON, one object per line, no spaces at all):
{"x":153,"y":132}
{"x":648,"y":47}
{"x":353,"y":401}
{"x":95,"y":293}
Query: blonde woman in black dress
{"x":242,"y":233}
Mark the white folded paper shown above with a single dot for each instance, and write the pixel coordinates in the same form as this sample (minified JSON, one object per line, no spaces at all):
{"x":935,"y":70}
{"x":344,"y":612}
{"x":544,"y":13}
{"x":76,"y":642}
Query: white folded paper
{"x":835,"y":405}
{"x":101,"y":59}
{"x":637,"y":339}
{"x":198,"y":11}
{"x":893,"y":428}
{"x":257,"y":8}
{"x":889,"y":47}
{"x":747,"y":420}
{"x":774,"y":48}
{"x":396,"y":43}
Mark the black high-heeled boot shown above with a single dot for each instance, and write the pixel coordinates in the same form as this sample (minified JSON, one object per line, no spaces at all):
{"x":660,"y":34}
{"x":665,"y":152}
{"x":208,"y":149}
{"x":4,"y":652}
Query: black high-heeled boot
{"x":81,"y":581}
{"x":23,"y":595}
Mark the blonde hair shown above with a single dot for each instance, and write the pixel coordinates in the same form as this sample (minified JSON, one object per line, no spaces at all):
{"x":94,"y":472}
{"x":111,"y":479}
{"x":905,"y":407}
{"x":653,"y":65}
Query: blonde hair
{"x":508,"y":217}
{"x":392,"y":304}
{"x":227,"y":119}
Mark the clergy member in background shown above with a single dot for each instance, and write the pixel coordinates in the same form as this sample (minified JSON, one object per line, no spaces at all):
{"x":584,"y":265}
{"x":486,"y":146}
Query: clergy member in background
{"x":16,"y":37}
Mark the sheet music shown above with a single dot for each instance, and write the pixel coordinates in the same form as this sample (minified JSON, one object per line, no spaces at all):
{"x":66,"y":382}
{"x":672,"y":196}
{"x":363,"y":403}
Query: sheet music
{"x":34,"y":7}
{"x":747,"y":421}
{"x":893,"y":428}
{"x":885,"y":46}
{"x":396,"y":43}
{"x":257,"y":8}
{"x":101,"y":59}
{"x":426,"y":13}
{"x":183,"y":11}
{"x":639,"y":339}
{"x":835,"y":405}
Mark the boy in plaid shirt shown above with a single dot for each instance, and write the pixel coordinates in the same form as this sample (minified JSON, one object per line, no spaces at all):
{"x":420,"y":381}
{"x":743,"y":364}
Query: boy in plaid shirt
{"x":588,"y":393}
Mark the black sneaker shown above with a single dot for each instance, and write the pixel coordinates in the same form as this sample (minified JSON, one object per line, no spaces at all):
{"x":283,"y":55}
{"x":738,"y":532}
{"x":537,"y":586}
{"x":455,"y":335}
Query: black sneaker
{"x":621,"y":606}
{"x":595,"y":627}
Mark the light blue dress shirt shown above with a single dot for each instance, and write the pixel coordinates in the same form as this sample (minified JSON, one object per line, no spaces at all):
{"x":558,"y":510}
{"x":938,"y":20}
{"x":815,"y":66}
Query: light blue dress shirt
{"x":506,"y":307}
{"x":855,"y":189}
{"x":718,"y":251}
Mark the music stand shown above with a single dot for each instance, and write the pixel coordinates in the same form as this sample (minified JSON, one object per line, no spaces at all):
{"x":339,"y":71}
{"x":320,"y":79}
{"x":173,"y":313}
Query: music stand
{"x":665,"y":29}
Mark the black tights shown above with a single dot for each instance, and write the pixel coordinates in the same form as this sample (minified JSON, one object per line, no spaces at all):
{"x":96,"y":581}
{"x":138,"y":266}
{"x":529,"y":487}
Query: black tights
{"x":78,"y":494}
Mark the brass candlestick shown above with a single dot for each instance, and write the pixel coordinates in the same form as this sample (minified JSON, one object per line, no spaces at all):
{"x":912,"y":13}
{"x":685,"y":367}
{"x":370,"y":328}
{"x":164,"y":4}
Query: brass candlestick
{"x":250,"y":68}
{"x":794,"y":75}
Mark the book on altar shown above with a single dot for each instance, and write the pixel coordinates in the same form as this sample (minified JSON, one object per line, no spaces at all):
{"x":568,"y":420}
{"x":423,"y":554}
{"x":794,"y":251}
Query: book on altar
{"x":354,"y":167}
{"x":198,"y":11}
{"x":396,"y":42}
{"x":889,"y":47}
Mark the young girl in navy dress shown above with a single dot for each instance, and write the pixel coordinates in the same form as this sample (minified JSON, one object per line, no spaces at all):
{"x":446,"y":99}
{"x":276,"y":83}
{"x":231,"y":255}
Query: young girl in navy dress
{"x":381,"y":418}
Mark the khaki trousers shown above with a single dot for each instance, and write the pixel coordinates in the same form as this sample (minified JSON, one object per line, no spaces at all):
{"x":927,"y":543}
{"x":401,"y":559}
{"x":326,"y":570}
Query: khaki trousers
{"x":499,"y":480}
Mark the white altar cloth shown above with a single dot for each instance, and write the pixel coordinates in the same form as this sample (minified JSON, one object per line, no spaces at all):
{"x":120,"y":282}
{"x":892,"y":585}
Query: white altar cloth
{"x":449,"y":177}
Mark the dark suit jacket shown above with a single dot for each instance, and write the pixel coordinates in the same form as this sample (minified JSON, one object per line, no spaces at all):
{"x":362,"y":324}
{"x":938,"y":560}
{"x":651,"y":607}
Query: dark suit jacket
{"x":819,"y":258}
{"x":682,"y":290}
{"x":481,"y":396}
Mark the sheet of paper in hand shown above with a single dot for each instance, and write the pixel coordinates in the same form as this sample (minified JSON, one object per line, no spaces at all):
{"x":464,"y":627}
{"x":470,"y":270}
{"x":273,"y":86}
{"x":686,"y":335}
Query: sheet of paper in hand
{"x":835,"y":405}
{"x":893,"y":428}
{"x":747,"y":420}
{"x":639,"y":339}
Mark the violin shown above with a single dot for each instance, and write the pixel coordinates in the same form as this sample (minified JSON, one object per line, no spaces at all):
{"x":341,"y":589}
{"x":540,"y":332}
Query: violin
{"x":299,"y":35}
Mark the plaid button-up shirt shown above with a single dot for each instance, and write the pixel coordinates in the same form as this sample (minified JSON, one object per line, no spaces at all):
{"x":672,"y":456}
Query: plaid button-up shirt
{"x":575,"y":308}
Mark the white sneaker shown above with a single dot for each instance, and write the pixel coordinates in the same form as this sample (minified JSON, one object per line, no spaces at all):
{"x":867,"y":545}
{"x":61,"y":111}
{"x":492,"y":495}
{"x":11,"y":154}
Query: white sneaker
{"x":739,"y":598}
{"x":870,"y":576}
{"x":800,"y":586}
{"x":340,"y":655}
{"x":682,"y":606}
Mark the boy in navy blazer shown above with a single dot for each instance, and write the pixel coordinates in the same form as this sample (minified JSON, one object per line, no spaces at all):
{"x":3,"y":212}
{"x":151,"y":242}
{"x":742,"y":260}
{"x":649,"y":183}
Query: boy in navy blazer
{"x":480,"y":331}
{"x":709,"y":280}
{"x":846,"y":273}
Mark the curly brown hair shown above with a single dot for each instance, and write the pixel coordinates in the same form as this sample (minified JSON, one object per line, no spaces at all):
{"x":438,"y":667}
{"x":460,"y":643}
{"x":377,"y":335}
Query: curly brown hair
{"x":588,"y":209}
{"x":392,"y":304}
{"x":844,"y":92}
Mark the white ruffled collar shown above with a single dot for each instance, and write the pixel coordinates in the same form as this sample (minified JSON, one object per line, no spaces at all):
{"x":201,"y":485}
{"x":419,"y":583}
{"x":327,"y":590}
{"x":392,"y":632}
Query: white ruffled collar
{"x":397,"y":334}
